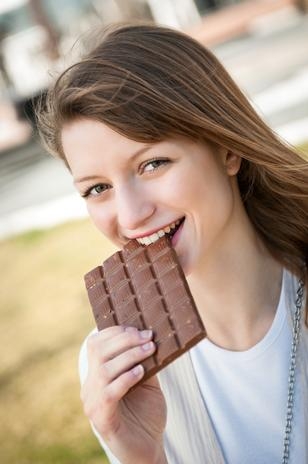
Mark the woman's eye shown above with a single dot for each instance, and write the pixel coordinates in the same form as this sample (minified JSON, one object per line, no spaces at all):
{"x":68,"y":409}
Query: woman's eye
{"x":153,"y":164}
{"x":95,"y":190}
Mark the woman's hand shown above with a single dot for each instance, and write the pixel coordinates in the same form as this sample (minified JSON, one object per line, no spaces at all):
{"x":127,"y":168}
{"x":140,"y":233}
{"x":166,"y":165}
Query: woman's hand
{"x":131,"y":424}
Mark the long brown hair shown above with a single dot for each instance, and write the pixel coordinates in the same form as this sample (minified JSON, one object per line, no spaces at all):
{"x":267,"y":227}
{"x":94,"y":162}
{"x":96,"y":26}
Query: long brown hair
{"x":148,"y":83}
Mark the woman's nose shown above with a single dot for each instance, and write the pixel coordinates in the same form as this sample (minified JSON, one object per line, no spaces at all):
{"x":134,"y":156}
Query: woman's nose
{"x":134,"y":209}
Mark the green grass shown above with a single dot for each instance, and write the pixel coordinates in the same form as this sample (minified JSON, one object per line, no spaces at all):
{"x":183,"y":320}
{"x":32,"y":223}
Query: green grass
{"x":45,"y":315}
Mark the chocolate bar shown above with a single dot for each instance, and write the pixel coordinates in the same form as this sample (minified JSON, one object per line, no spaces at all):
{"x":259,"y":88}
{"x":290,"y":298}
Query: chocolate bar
{"x":145,"y":287}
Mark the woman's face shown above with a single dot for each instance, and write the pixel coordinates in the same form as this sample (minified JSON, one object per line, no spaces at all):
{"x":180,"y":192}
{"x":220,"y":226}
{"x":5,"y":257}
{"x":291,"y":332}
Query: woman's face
{"x":137,"y":191}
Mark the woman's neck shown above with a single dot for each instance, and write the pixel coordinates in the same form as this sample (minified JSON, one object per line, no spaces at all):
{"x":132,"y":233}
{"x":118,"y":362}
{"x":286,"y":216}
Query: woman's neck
{"x":237,"y":293}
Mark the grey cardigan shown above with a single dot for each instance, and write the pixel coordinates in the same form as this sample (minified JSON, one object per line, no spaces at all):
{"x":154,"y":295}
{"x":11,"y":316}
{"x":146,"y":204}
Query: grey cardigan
{"x":189,"y":435}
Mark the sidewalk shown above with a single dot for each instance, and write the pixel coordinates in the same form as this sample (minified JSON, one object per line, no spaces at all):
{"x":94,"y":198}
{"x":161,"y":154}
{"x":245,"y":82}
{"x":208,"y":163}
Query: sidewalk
{"x":235,"y":20}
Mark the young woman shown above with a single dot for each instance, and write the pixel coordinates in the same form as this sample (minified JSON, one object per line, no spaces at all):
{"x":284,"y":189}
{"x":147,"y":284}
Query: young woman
{"x":155,"y":133}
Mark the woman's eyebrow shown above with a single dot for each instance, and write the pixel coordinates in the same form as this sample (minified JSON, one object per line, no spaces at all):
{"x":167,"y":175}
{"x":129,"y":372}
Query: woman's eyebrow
{"x":140,"y":152}
{"x":83,"y":179}
{"x":130,"y":159}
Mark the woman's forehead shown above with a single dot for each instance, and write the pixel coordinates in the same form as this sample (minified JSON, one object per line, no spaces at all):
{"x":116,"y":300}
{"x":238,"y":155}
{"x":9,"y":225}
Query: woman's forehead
{"x":92,"y":137}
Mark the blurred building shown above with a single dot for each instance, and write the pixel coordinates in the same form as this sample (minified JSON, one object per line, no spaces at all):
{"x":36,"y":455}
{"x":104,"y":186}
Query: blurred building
{"x":35,"y":35}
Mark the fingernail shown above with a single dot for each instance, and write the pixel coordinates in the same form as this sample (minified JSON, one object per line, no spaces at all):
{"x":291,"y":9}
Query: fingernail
{"x":147,"y":346}
{"x":146,"y":333}
{"x":137,"y":370}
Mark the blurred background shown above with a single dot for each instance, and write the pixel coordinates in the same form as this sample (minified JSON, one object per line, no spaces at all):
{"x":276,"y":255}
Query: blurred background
{"x":46,"y":241}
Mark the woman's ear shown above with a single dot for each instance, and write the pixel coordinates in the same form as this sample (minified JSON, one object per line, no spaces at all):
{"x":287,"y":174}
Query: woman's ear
{"x":232,"y":163}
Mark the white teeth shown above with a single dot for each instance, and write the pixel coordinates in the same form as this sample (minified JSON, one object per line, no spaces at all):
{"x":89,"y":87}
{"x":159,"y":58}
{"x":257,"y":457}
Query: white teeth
{"x":160,"y":233}
{"x":147,"y":240}
{"x":154,"y":237}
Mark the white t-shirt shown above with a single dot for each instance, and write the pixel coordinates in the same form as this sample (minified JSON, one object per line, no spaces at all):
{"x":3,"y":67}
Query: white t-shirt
{"x":245,"y":394}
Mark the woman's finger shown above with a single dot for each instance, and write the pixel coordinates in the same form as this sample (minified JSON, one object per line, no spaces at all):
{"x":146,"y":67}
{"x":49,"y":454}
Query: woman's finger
{"x":112,"y":369}
{"x":107,"y":333}
{"x":115,"y":390}
{"x":103,"y":349}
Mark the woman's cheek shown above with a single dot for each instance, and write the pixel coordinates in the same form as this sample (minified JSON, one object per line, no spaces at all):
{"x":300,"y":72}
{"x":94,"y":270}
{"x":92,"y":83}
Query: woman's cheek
{"x":101,"y":218}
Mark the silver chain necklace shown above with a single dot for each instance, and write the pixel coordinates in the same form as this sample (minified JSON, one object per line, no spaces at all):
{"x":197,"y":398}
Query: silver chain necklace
{"x":292,"y":371}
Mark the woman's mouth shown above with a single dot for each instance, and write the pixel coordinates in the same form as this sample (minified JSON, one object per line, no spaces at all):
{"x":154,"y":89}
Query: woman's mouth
{"x":169,"y":231}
